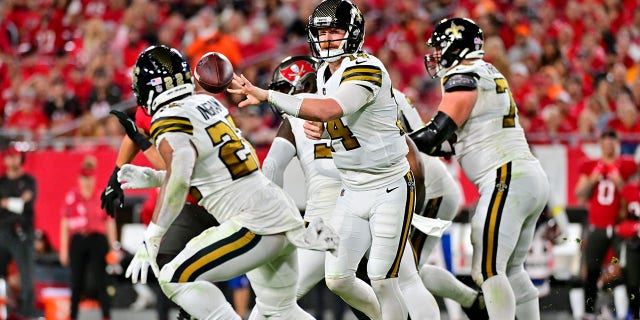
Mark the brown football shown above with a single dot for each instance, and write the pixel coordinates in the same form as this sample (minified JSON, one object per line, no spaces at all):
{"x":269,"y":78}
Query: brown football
{"x":214,"y":72}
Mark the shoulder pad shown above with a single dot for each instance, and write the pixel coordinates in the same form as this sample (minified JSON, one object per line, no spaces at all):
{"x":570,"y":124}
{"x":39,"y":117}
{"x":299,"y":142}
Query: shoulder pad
{"x":460,"y":82}
{"x":164,"y":122}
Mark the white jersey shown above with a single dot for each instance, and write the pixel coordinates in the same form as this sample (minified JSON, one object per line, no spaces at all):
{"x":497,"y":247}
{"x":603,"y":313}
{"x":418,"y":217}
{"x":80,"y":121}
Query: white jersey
{"x":316,"y":161}
{"x":368,"y":146}
{"x":492,"y":135}
{"x":226,"y":168}
{"x":437,"y":179}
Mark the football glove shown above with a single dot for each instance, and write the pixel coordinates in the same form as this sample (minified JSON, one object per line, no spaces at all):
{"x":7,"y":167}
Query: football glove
{"x":146,"y":255}
{"x":112,"y":196}
{"x":136,"y":177}
{"x":132,"y":130}
{"x":445,"y":149}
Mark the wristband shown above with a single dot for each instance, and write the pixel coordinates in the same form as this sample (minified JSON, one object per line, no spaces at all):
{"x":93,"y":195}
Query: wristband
{"x":141,"y":141}
{"x":154,"y":231}
{"x":286,"y":103}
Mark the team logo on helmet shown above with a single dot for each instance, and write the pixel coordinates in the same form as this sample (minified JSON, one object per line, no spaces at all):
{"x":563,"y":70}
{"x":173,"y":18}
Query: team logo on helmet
{"x":296,"y":69}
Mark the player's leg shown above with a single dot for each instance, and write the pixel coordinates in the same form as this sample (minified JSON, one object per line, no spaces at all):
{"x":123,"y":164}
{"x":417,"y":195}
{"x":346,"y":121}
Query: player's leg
{"x":419,"y":302}
{"x":632,"y":279}
{"x":526,"y":294}
{"x":217,"y":254}
{"x":390,"y":223}
{"x":191,"y":221}
{"x":355,"y":240}
{"x":275,"y":286}
{"x":493,"y":239}
{"x":310,"y":270}
{"x":437,"y":280}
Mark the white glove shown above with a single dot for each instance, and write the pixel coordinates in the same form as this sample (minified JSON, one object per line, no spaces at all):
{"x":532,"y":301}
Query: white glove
{"x":318,"y":236}
{"x":146,"y":255}
{"x":136,"y":177}
{"x":430,"y":226}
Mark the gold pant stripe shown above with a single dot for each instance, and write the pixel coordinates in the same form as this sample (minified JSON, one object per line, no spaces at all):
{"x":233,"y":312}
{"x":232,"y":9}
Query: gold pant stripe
{"x":215,"y":254}
{"x":492,"y":221}
{"x":406,"y":224}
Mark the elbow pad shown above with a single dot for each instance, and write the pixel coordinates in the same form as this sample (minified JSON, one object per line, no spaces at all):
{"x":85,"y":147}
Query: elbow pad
{"x":431,"y":138}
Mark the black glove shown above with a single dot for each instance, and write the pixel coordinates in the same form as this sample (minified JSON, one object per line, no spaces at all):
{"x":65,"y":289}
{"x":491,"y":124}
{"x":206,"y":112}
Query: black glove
{"x":132,"y":130}
{"x":112,"y":196}
{"x":445,"y":149}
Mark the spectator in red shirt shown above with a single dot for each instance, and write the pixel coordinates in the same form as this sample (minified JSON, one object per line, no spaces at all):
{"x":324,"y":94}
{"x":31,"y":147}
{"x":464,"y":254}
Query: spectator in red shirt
{"x":28,"y":118}
{"x":599,"y":186}
{"x":626,"y":123}
{"x":86,"y":236}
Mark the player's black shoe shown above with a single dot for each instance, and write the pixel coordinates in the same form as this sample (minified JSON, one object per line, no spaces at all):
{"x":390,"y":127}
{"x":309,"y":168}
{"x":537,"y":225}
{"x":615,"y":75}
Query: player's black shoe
{"x":183,"y":315}
{"x":478,"y":310}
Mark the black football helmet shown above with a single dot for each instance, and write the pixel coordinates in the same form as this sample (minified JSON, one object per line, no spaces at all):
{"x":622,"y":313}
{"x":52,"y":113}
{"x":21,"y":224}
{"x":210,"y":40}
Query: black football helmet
{"x":454,"y":39}
{"x":336,"y":14}
{"x":294,"y":75}
{"x":160,"y":75}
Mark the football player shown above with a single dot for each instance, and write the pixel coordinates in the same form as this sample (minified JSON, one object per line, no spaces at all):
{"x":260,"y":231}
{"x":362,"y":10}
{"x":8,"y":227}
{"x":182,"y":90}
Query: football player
{"x":443,"y":198}
{"x":599,"y":185}
{"x":478,"y":110}
{"x":207,"y":158}
{"x":629,"y":230}
{"x":297,"y":75}
{"x":377,"y":198}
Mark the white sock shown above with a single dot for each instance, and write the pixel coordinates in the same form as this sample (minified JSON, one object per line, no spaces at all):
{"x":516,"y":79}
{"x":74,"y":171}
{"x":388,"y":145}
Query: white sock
{"x":201,"y":299}
{"x":419,"y":302}
{"x":390,"y":297}
{"x":576,"y":300}
{"x":357,"y":294}
{"x":499,"y":298}
{"x":453,"y":309}
{"x":443,"y":283}
{"x":526,"y":295}
{"x":621,"y":301}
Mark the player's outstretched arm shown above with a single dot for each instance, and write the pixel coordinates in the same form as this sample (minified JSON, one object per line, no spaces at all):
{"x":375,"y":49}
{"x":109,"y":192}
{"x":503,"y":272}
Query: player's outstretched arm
{"x":282,"y":150}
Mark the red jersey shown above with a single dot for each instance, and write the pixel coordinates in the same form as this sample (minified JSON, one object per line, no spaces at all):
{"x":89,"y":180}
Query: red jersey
{"x":143,"y":120}
{"x":85,"y":215}
{"x":604,"y":203}
{"x":630,"y":227}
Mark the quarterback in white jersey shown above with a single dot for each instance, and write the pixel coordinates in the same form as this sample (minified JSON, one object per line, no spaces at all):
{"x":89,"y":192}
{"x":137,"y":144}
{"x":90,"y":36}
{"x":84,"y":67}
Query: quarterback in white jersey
{"x":207,"y":157}
{"x":479,"y":110}
{"x":323,"y":186}
{"x":376,"y":203}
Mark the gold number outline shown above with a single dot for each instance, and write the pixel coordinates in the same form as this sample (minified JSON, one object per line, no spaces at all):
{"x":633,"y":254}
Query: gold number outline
{"x":231,"y":148}
{"x":509,"y":120}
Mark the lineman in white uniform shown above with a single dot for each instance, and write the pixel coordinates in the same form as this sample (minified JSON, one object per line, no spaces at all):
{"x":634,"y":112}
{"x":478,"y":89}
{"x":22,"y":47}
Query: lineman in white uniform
{"x":376,"y":203}
{"x":207,"y":157}
{"x":443,"y":199}
{"x":491,"y":148}
{"x":293,"y":75}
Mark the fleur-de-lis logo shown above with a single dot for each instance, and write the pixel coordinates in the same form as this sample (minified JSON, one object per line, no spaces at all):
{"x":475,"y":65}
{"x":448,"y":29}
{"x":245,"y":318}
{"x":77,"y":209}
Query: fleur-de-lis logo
{"x":355,"y":12}
{"x":455,"y":31}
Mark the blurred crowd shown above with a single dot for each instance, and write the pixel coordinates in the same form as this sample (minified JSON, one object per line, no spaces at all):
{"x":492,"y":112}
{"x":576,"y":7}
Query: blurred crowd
{"x":574,"y":66}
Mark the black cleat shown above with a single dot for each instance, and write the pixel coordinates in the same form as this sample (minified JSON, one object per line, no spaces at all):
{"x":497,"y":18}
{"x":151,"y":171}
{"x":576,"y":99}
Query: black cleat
{"x":183,"y":315}
{"x":478,"y":310}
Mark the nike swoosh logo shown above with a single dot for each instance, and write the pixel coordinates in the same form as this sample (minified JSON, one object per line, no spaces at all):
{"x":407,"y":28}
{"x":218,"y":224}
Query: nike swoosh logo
{"x":359,"y":62}
{"x":389,"y":190}
{"x":108,"y":191}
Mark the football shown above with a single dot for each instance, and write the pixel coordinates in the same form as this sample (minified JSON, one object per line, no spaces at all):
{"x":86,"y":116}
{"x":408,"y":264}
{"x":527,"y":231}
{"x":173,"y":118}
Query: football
{"x":213,"y":72}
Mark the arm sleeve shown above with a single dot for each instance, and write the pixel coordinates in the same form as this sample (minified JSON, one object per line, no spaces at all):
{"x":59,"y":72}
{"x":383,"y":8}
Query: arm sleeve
{"x":277,"y":160}
{"x":176,"y":185}
{"x":352,"y":96}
